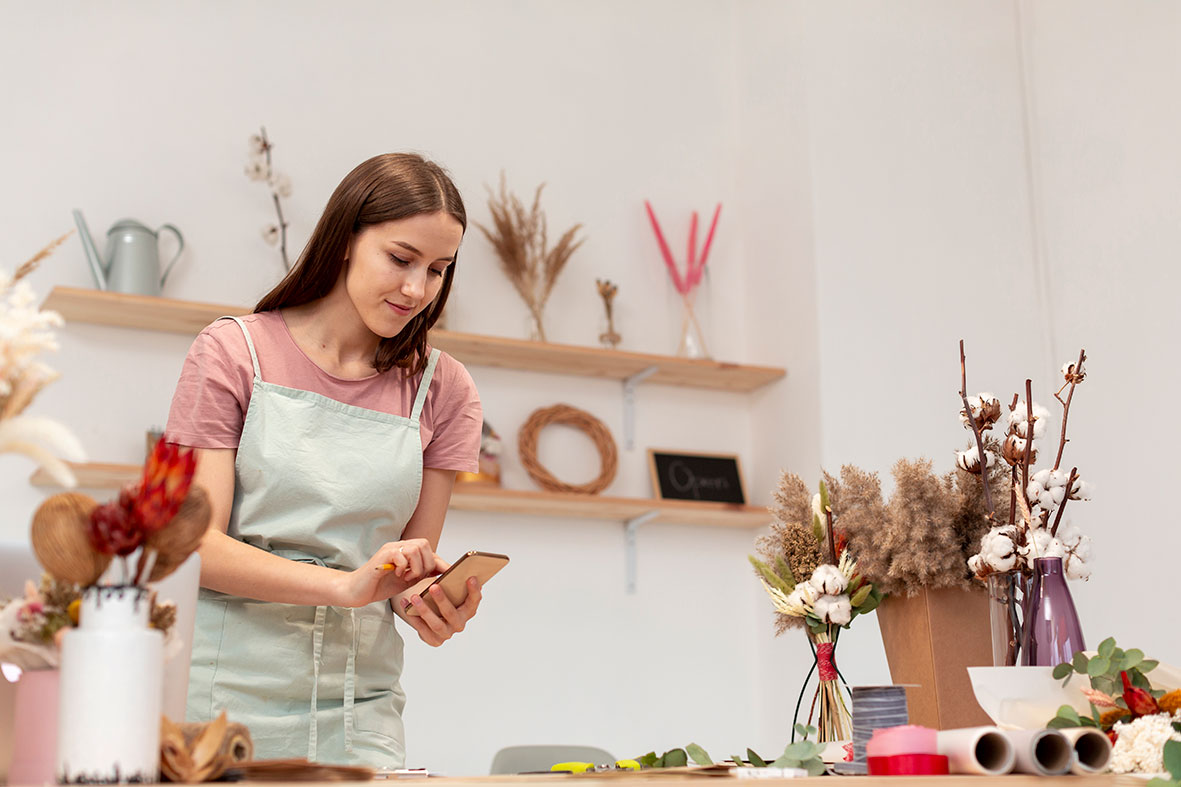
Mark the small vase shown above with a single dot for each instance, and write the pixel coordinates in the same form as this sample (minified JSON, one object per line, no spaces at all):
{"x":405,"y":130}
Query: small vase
{"x":1004,"y":617}
{"x":34,"y":738}
{"x":1052,"y":633}
{"x":111,"y":680}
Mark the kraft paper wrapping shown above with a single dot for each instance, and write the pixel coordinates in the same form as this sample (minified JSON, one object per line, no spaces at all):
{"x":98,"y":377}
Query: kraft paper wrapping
{"x":976,"y":750}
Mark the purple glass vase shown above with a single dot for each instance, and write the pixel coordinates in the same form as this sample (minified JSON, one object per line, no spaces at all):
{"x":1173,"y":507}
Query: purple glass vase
{"x":1051,"y":633}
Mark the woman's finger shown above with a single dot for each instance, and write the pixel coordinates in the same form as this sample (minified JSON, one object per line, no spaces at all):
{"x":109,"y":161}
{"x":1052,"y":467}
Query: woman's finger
{"x":454,"y":618}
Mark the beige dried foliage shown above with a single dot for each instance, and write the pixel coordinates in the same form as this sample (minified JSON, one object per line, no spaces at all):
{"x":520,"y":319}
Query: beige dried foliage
{"x":791,"y":538}
{"x":30,"y":265}
{"x":923,"y":537}
{"x":519,"y":236}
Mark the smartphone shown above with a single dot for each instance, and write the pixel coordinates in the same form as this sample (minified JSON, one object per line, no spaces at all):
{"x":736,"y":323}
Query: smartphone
{"x":481,"y":565}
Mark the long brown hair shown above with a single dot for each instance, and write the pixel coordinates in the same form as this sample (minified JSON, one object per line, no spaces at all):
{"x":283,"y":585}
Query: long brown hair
{"x":385,"y":188}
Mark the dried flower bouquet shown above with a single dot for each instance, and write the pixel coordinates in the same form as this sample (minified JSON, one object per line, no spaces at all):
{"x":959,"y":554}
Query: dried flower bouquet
{"x":804,"y":542}
{"x":519,"y":238}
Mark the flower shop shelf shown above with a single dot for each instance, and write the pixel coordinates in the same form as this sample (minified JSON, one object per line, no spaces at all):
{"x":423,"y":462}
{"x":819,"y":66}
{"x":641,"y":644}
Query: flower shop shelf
{"x":188,"y":317}
{"x":472,"y":497}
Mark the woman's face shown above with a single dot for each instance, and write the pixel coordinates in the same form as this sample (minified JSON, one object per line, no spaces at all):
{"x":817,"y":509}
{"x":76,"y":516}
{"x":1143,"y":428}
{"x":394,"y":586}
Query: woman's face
{"x":394,"y":270}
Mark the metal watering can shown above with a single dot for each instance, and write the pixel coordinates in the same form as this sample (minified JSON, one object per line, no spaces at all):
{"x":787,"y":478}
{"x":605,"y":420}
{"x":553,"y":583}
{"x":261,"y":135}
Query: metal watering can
{"x":132,"y":260}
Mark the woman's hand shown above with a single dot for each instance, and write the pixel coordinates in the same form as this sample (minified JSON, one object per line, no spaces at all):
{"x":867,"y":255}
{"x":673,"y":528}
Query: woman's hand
{"x":434,"y":629}
{"x":412,"y":560}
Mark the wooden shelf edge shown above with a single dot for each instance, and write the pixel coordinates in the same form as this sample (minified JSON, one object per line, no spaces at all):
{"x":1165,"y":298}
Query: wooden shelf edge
{"x":189,"y":317}
{"x":474,"y":497}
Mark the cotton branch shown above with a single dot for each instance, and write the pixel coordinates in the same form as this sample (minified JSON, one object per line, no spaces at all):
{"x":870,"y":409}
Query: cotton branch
{"x":975,"y":432}
{"x":1062,"y":506}
{"x":1078,"y":371}
{"x":1028,"y":437}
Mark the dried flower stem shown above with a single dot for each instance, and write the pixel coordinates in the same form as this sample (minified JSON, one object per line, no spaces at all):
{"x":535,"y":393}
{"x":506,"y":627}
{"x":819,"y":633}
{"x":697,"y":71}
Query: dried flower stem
{"x":1028,"y":438}
{"x":832,"y":542}
{"x":266,"y":146}
{"x":975,"y":432}
{"x":1082,"y":356}
{"x":1062,"y":506}
{"x":31,"y":264}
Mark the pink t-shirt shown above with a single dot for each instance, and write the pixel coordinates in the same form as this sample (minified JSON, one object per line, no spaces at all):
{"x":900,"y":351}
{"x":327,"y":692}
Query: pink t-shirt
{"x":209,"y":406}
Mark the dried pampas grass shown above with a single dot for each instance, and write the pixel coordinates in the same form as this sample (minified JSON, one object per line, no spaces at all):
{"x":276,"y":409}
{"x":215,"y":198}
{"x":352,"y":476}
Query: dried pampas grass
{"x":519,"y":238}
{"x":920,"y":538}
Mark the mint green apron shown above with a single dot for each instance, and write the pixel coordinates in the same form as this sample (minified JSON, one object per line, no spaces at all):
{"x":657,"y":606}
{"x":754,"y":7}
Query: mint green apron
{"x":323,"y":482}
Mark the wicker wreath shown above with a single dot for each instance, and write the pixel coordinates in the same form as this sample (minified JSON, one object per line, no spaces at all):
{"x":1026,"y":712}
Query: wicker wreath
{"x":579,"y":419}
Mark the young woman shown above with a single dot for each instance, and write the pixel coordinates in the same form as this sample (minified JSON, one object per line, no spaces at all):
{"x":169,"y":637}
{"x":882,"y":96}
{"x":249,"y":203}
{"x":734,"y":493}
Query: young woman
{"x":328,"y":437}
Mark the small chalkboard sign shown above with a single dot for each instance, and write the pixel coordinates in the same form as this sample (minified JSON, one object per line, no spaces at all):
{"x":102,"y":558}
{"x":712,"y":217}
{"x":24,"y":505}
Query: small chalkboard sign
{"x":687,"y":476}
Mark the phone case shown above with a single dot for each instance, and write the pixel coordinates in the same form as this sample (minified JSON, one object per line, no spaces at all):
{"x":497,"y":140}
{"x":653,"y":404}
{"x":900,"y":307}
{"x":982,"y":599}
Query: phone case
{"x":481,"y":565}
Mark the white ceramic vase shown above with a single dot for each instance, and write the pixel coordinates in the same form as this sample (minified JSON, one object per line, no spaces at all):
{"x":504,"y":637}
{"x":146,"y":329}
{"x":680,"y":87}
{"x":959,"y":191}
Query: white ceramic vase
{"x":111,"y":672}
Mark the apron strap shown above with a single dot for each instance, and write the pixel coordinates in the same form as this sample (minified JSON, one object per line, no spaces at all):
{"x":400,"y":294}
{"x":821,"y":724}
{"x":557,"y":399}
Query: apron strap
{"x":427,"y":374}
{"x":350,"y":683}
{"x":250,"y":345}
{"x":317,"y":654}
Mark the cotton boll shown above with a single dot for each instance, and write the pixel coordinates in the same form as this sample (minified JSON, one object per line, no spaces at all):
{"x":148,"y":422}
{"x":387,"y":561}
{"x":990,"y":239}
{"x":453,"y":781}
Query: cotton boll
{"x":1082,"y":549}
{"x":997,"y":549}
{"x":1077,"y":568}
{"x":1046,"y":500}
{"x":799,"y":601}
{"x":1068,"y":534}
{"x":969,"y":460}
{"x":834,"y":609}
{"x":1035,"y":490}
{"x":1057,"y":494}
{"x":1041,"y":478}
{"x":975,"y":564}
{"x":1053,"y":548}
{"x":1058,"y":478}
{"x":828,"y":579}
{"x":1080,"y":491}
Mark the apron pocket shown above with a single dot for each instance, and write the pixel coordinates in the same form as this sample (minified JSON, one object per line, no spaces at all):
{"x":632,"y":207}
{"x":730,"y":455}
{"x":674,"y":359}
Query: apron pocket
{"x":379,"y":699}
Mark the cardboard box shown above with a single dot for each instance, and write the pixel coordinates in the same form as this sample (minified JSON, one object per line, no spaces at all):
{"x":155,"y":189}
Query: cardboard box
{"x":931,"y":639}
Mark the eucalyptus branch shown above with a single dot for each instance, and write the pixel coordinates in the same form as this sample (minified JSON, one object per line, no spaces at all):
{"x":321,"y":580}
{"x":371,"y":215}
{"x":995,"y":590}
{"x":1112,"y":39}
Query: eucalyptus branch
{"x":1062,"y":506}
{"x":1074,"y":377}
{"x":975,"y":432}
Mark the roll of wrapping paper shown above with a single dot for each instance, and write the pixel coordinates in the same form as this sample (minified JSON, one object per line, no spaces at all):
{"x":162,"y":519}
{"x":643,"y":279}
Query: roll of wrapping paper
{"x":1092,"y":750}
{"x":1042,"y":752}
{"x":977,"y":750}
{"x":235,"y":744}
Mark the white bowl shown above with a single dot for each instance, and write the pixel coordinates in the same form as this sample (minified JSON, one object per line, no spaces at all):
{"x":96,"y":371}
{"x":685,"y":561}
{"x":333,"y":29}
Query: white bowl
{"x":1025,"y":698}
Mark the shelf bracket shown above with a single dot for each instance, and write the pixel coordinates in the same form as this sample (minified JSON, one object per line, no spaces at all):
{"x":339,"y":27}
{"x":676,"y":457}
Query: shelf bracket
{"x":630,"y":526}
{"x":629,"y":404}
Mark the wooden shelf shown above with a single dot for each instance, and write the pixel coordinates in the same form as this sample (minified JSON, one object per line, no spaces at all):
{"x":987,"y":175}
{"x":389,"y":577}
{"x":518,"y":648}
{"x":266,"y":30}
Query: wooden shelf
{"x":472,"y":497}
{"x":187,"y":317}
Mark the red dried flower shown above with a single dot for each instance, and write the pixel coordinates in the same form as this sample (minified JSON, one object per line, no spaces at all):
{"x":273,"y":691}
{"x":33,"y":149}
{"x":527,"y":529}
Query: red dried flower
{"x":168,"y":474}
{"x":113,"y":530}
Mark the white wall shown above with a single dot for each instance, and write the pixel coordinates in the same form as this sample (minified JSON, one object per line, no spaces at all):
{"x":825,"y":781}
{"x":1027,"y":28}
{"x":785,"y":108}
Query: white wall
{"x":143,"y":110}
{"x":878,"y":207}
{"x":929,"y":227}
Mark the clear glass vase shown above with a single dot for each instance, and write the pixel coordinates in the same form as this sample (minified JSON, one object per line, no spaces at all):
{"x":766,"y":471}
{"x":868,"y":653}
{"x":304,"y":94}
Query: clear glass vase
{"x":1004,"y":617}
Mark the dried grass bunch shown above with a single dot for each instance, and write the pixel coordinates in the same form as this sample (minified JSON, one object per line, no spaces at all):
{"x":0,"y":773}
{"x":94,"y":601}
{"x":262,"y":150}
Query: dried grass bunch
{"x":920,"y":538}
{"x":520,"y":239}
{"x":25,"y":332}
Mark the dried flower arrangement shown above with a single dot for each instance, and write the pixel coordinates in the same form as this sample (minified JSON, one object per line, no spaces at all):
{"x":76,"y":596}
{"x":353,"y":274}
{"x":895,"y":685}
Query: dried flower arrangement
{"x":1120,"y":689}
{"x":1039,"y":496}
{"x":686,"y":285}
{"x":805,"y":542}
{"x":922,"y":537}
{"x":519,"y":238}
{"x":31,"y":627}
{"x":26,"y":332}
{"x":608,"y":291}
{"x":258,"y":167}
{"x":161,"y":518}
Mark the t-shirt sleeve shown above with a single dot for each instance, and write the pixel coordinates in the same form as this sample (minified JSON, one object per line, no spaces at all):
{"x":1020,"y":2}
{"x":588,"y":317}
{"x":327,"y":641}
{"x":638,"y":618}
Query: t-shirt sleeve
{"x":209,"y":405}
{"x":458,"y":420}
